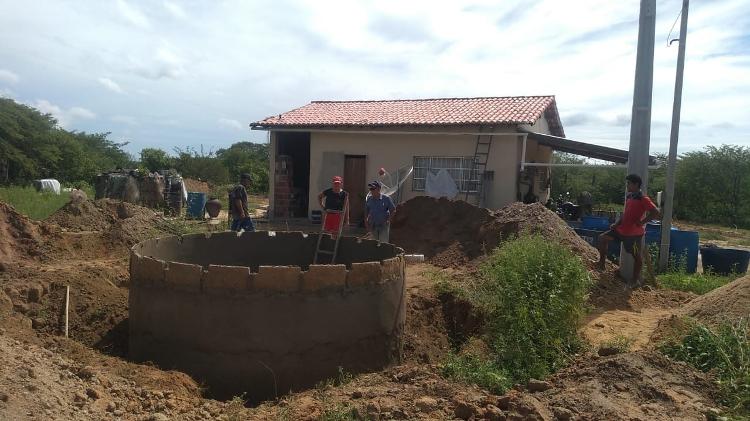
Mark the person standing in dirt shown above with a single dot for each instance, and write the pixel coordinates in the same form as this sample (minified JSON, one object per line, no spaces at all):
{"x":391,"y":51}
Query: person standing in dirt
{"x":238,"y":209}
{"x":629,"y":228}
{"x":379,"y":210}
{"x":335,"y":204}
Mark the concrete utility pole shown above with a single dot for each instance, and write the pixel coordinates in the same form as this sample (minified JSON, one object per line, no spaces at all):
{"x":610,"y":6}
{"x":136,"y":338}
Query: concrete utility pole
{"x":666,"y":222}
{"x":640,"y":123}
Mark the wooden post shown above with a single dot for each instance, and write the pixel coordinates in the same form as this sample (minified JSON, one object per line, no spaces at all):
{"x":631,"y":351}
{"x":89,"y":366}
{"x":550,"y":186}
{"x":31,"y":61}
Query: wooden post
{"x":67,"y":306}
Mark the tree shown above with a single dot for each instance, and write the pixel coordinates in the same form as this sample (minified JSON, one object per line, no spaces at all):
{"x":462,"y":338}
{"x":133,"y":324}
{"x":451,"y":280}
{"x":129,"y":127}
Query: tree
{"x":155,"y":159}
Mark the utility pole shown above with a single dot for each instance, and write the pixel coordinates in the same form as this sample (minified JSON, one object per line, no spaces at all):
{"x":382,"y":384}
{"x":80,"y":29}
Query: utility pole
{"x":666,"y":222}
{"x":640,"y":123}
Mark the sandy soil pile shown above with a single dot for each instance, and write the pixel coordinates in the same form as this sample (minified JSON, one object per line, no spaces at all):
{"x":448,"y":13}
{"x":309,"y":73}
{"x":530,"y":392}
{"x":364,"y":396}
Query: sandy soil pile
{"x":193,"y":185}
{"x":453,"y":232}
{"x":121,"y":222}
{"x":19,"y":236}
{"x":730,"y":302}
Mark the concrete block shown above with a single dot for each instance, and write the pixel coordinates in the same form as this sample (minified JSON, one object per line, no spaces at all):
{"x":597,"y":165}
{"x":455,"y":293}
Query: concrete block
{"x":278,"y":278}
{"x":324,"y":276}
{"x":393,"y":268}
{"x":147,"y":272}
{"x":183,"y":276}
{"x":364,"y":273}
{"x":226,"y":279}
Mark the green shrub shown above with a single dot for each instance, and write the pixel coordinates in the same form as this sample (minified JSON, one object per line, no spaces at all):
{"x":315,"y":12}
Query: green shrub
{"x":472,"y":369}
{"x":532,"y":292}
{"x":725,"y":350}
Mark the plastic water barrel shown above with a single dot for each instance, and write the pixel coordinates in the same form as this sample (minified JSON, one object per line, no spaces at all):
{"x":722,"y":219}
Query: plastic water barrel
{"x":600,"y":223}
{"x":196,"y":202}
{"x":725,"y":261}
{"x":683,"y":246}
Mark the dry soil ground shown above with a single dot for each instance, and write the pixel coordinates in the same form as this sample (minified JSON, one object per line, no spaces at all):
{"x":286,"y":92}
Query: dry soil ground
{"x":85,"y":246}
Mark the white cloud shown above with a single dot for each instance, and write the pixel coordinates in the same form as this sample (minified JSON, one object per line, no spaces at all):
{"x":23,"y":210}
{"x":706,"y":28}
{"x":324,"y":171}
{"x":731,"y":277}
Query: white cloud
{"x":165,"y":62}
{"x":132,"y":14}
{"x":64,"y":117}
{"x":6,"y":76}
{"x":175,"y":9}
{"x":230,"y":123}
{"x":110,"y":84}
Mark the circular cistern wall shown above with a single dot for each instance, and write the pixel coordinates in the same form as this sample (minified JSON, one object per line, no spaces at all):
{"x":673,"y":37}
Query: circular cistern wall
{"x":250,"y":314}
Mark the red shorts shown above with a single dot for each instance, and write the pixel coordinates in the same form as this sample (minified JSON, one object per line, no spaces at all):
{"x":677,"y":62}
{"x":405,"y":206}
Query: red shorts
{"x":332,"y":222}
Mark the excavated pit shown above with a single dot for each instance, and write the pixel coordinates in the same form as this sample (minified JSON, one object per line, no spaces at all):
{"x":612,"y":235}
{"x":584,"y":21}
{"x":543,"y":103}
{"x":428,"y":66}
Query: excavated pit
{"x":251,"y":314}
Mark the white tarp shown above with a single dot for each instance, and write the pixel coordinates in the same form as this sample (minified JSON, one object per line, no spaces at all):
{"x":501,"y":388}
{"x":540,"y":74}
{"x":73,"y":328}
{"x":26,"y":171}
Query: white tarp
{"x":49,"y":184}
{"x":440,"y":185}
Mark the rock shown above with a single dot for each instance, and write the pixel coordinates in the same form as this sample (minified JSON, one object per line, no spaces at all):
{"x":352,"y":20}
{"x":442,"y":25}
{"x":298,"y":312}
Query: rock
{"x":599,"y":325}
{"x":22,"y":308}
{"x":562,"y":414}
{"x":4,"y":397}
{"x":79,"y":397}
{"x":93,"y":393}
{"x":35,"y":293}
{"x":538,"y":385}
{"x":38,"y":323}
{"x":2,"y":332}
{"x":426,"y":404}
{"x":620,"y":387}
{"x":606,"y":351}
{"x":118,"y":412}
{"x":504,"y":402}
{"x":465,"y":410}
{"x":493,"y":413}
{"x":111,"y":406}
{"x":86,"y":373}
{"x":357,"y":394}
{"x":158,"y":417}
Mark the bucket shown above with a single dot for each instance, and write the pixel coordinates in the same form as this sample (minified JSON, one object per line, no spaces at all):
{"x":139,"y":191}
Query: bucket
{"x":683,"y":247}
{"x":723,"y":261}
{"x":600,"y":223}
{"x":196,"y":202}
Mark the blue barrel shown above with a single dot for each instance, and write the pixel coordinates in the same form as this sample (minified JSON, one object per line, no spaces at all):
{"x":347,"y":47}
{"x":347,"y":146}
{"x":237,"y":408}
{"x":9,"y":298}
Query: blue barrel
{"x":723,"y":261}
{"x":683,"y":247}
{"x":196,"y":202}
{"x":600,"y":223}
{"x":589,"y":236}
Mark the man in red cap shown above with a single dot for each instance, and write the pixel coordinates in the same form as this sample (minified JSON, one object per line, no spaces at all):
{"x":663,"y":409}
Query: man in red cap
{"x":335,"y":204}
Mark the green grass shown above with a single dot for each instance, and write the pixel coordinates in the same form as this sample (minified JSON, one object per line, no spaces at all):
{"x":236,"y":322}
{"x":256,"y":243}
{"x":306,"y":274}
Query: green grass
{"x":31,"y":203}
{"x":621,"y":343}
{"x":698,"y":283}
{"x":724,"y":351}
{"x":473,"y":370}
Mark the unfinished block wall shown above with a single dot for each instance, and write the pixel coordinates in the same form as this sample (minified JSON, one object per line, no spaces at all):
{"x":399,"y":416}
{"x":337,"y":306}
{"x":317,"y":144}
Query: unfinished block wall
{"x":251,"y":314}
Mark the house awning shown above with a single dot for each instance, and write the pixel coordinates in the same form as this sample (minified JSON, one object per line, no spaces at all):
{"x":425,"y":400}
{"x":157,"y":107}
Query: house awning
{"x":589,"y":150}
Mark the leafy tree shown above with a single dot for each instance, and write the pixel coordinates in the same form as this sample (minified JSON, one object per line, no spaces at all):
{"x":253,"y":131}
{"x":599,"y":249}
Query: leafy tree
{"x":247,"y":157}
{"x":155,"y":159}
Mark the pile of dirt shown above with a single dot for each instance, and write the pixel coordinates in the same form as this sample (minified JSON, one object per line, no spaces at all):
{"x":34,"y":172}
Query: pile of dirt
{"x":193,"y":185}
{"x":642,"y":385}
{"x":121,"y":222}
{"x":728,"y":303}
{"x":19,"y":236}
{"x":452,"y":232}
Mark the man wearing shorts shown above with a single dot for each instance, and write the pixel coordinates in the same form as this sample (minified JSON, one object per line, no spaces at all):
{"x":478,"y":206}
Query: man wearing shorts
{"x":335,"y":204}
{"x":629,"y":228}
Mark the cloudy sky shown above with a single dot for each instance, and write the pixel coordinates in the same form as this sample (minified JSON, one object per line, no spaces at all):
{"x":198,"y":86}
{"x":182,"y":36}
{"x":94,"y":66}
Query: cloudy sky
{"x":189,"y":73}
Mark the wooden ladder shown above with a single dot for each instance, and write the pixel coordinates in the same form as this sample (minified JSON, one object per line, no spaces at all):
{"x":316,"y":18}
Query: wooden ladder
{"x":318,"y":249}
{"x":478,"y":168}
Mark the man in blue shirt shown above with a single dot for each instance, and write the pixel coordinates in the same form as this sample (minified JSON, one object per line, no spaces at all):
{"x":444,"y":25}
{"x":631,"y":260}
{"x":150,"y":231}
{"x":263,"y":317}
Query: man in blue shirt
{"x":379,"y":210}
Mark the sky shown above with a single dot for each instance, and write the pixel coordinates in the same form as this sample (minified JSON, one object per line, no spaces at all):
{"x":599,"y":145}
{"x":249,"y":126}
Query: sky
{"x":176,"y":74}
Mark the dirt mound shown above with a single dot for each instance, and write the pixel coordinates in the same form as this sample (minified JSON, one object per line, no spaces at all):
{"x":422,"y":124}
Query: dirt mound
{"x":193,"y":185}
{"x":19,"y":236}
{"x":638,"y":385}
{"x":121,"y":222}
{"x":730,"y":302}
{"x":453,"y":232}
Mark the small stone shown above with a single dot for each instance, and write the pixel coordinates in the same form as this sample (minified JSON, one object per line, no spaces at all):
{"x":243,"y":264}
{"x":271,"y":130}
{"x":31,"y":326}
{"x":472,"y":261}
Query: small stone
{"x":170,"y":404}
{"x":93,"y":393}
{"x":158,"y":417}
{"x":426,"y":404}
{"x":465,"y":410}
{"x":118,"y":412}
{"x":620,"y":387}
{"x":357,"y":394}
{"x":538,"y":385}
{"x":2,"y":332}
{"x":599,"y":325}
{"x":22,"y":308}
{"x":562,"y":414}
{"x":504,"y":402}
{"x":79,"y":397}
{"x":494,"y":413}
{"x":606,"y":351}
{"x":38,"y":323}
{"x":86,"y":372}
{"x":4,"y":397}
{"x":111,"y":406}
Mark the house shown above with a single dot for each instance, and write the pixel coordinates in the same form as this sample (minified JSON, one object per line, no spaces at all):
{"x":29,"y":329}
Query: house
{"x":496,"y":149}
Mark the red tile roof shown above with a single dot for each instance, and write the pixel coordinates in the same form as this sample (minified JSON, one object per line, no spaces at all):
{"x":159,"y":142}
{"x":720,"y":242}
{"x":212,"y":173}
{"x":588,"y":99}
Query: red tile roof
{"x":499,"y":111}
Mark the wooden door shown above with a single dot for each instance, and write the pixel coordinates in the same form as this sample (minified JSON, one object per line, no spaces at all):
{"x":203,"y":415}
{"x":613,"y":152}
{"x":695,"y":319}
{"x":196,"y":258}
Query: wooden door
{"x":355,"y":183}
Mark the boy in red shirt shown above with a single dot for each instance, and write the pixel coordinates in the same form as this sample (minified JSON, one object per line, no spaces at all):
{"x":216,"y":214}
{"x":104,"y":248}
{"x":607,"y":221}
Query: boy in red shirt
{"x":629,"y":228}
